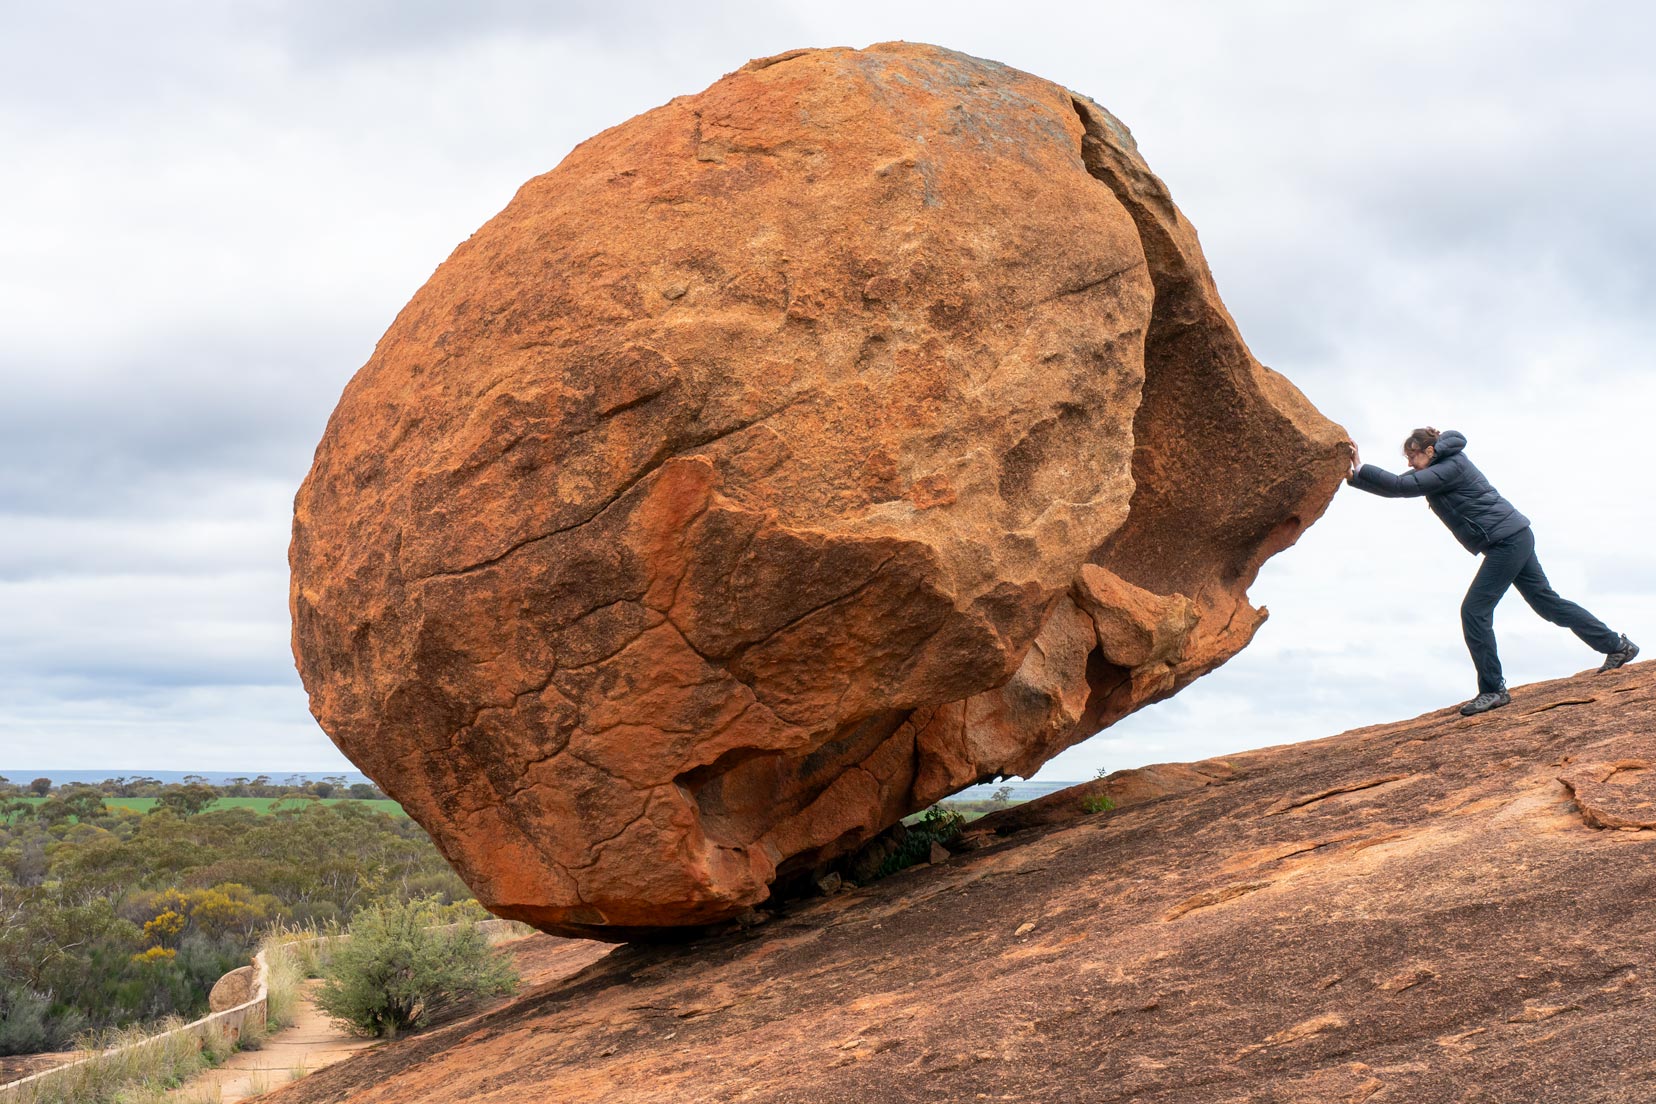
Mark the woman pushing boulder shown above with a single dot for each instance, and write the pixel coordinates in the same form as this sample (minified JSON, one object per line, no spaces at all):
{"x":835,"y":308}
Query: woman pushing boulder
{"x":1487,"y":524}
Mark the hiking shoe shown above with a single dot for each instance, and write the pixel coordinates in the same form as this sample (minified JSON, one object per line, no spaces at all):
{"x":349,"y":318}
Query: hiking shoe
{"x":1624,"y":653}
{"x":1483,"y":703}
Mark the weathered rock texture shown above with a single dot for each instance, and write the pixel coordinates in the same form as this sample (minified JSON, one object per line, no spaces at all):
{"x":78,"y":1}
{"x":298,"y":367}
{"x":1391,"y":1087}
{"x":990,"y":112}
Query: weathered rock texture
{"x":232,"y":989}
{"x":790,"y":456}
{"x":1416,"y":913}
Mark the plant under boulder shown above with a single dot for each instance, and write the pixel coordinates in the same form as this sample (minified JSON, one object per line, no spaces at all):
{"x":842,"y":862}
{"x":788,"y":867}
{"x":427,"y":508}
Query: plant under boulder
{"x":398,"y":970}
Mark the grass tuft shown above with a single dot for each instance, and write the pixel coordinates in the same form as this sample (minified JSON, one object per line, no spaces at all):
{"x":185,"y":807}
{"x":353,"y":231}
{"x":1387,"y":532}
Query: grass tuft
{"x":132,"y":1066}
{"x":292,"y":954}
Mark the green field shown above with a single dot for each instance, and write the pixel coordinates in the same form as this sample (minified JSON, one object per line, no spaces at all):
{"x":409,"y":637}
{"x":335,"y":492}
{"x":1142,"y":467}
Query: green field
{"x":260,"y":805}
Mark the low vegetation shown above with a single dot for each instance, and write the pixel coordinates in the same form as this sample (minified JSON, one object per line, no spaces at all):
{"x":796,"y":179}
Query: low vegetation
{"x":403,"y":966}
{"x":113,"y":918}
{"x":1098,"y":803}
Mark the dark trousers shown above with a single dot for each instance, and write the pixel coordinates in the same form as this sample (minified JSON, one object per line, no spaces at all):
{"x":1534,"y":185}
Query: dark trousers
{"x":1511,"y":562}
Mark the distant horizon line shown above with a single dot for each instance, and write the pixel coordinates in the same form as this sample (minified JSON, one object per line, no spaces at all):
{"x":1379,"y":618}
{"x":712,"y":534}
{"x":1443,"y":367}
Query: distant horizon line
{"x":117,"y":772}
{"x":13,"y":773}
{"x":98,"y":773}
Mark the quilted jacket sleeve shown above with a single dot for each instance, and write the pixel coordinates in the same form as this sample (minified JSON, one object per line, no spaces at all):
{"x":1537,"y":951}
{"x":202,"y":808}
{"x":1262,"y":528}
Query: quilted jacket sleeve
{"x":1432,"y":479}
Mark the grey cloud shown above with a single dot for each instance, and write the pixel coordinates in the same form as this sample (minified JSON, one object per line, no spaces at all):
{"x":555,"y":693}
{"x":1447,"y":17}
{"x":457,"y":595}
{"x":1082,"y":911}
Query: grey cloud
{"x":1328,"y":163}
{"x":117,"y":627}
{"x":234,"y":728}
{"x":316,"y":29}
{"x":113,"y":437}
{"x":161,"y":537}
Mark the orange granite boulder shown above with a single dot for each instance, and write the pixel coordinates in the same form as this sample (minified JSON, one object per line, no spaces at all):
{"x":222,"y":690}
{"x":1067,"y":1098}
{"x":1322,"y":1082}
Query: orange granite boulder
{"x":790,"y":456}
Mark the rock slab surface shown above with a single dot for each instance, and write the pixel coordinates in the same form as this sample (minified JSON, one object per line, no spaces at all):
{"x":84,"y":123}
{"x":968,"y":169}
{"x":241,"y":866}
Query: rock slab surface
{"x":1415,"y":913}
{"x":790,"y":456}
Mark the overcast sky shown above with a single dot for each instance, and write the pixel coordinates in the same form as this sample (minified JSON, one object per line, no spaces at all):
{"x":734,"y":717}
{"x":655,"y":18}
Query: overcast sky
{"x":1422,"y":213}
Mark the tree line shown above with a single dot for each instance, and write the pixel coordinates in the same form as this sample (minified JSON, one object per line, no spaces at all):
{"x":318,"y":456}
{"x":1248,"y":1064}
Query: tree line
{"x":141,"y":785}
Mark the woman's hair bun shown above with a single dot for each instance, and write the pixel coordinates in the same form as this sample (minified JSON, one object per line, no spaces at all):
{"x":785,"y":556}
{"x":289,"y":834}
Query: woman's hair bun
{"x":1420,"y":440}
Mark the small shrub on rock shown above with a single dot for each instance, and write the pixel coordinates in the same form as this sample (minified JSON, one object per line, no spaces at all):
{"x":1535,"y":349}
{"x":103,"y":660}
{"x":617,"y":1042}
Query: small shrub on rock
{"x":1101,"y":802}
{"x":400,"y":969}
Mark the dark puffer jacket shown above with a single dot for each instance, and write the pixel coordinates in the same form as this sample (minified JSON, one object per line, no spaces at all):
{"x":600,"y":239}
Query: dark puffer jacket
{"x":1456,"y":491}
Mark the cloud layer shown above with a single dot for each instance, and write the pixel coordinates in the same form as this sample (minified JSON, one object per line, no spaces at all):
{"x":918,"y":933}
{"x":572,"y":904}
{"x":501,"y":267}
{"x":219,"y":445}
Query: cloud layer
{"x":1421,"y":213}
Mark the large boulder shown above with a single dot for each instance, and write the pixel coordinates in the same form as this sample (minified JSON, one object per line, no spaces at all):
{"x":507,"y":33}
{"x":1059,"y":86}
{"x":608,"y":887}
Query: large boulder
{"x":790,"y":456}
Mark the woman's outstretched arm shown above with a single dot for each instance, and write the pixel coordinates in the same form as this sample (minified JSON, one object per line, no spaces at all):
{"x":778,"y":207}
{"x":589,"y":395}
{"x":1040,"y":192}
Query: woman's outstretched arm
{"x":1411,"y":484}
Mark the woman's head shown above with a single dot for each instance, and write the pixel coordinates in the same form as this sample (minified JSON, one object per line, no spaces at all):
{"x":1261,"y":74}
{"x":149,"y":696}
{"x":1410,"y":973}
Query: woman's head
{"x":1420,"y":448}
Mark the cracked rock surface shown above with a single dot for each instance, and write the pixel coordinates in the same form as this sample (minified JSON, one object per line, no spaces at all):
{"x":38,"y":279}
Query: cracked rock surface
{"x":790,"y":456}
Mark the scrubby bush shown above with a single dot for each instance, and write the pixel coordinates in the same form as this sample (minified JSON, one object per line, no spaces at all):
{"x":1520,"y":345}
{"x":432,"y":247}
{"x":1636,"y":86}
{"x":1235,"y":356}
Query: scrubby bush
{"x":400,"y":968}
{"x":225,"y":909}
{"x":445,"y":885}
{"x":23,"y":1027}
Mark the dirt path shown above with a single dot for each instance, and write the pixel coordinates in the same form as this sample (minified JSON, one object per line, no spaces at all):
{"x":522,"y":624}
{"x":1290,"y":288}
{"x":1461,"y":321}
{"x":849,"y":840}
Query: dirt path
{"x":18,"y":1066}
{"x":305,"y":1046}
{"x":313,"y":1041}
